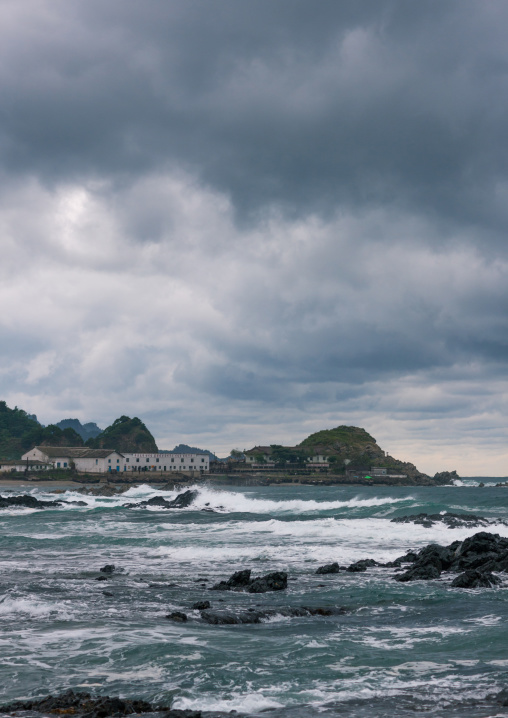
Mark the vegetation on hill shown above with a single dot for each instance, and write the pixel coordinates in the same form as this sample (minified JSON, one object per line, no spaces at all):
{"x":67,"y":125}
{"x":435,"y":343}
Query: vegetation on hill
{"x":125,"y":434}
{"x":86,"y":431}
{"x":19,"y":432}
{"x":352,"y":445}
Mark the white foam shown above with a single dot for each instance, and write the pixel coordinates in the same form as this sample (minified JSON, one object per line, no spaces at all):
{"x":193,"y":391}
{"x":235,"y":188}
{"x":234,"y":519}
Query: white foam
{"x":240,"y":702}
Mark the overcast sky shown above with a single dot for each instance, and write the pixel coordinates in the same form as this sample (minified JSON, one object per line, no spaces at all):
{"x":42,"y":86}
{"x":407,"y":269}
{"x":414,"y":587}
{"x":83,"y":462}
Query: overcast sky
{"x":247,"y":220}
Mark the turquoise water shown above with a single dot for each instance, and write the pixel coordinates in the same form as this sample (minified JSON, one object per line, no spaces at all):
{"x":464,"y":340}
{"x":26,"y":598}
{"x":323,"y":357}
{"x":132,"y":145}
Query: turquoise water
{"x":420,"y":646}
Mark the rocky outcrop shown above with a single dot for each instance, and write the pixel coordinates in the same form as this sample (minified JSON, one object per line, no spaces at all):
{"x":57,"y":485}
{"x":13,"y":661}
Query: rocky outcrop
{"x":242,"y":581}
{"x":328,"y":568}
{"x":362,"y":565}
{"x":229,"y":617}
{"x":475,"y":579}
{"x":453,"y":521}
{"x":481,"y":553}
{"x":83,"y":704}
{"x":28,"y":502}
{"x":446,"y":477}
{"x":182,"y":501}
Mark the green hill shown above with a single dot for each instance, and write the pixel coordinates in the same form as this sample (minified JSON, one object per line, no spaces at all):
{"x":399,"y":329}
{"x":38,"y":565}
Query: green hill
{"x":19,"y":432}
{"x":125,"y":434}
{"x":352,"y":445}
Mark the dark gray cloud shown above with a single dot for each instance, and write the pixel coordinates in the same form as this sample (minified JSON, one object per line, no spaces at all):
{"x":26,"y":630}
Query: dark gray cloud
{"x":248,"y":221}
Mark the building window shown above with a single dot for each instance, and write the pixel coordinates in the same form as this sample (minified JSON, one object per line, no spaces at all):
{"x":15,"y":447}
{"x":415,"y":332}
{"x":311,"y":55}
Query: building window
{"x":126,"y":461}
{"x":65,"y":464}
{"x":57,"y":464}
{"x":172,"y":461}
{"x":192,"y":461}
{"x":109,"y":461}
{"x":202,"y":461}
{"x":137,"y":460}
{"x":96,"y":461}
{"x":118,"y":461}
{"x":182,"y":460}
{"x":156,"y":461}
{"x":147,"y":461}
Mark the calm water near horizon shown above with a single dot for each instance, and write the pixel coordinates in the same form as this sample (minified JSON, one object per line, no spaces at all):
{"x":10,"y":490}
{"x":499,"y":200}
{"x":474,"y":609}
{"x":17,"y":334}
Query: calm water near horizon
{"x":402,"y":648}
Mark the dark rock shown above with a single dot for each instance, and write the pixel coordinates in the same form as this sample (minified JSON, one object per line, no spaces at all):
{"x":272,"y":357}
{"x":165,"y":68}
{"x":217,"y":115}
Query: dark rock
{"x":82,"y":704}
{"x":251,"y":616}
{"x":329,"y":568}
{"x":424,"y":572}
{"x":108,"y":568}
{"x":101,"y":578}
{"x":108,"y":594}
{"x":410,"y":557}
{"x":28,"y":502}
{"x":276,"y":581}
{"x":475,"y":579}
{"x":451,"y":520}
{"x":362,"y":565}
{"x":446,"y":477}
{"x":502,"y":697}
{"x":181,"y":501}
{"x":177,"y":616}
{"x":201,"y":605}
{"x":239,"y":580}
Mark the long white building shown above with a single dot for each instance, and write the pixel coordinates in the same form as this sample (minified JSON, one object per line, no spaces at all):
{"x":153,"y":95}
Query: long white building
{"x":100,"y":461}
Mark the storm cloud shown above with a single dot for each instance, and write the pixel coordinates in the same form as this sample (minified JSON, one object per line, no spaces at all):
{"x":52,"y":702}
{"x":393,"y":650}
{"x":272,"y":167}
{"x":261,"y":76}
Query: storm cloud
{"x":244,"y":222}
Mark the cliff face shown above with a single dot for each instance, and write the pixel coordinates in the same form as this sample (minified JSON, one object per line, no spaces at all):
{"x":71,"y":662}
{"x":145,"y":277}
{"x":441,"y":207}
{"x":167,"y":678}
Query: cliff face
{"x":86,"y":431}
{"x":352,"y":445}
{"x":125,"y":434}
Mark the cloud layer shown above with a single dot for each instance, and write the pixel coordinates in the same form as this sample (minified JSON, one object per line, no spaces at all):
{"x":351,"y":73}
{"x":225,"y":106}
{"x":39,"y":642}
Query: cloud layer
{"x":245,"y":222}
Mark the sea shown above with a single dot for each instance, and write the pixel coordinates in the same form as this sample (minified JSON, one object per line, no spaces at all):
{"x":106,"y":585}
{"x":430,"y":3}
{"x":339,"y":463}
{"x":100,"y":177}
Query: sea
{"x":401,"y":649}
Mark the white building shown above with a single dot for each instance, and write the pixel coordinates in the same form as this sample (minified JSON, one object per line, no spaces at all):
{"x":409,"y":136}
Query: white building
{"x":100,"y":461}
{"x":20,"y":465}
{"x":167,"y":462}
{"x":95,"y":461}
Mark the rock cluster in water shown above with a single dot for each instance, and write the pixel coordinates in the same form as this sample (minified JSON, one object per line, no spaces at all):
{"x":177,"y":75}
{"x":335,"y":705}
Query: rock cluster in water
{"x":30,"y":502}
{"x":84,"y":705}
{"x":241,"y":581}
{"x":453,"y":521}
{"x":182,"y":501}
{"x":474,"y":559}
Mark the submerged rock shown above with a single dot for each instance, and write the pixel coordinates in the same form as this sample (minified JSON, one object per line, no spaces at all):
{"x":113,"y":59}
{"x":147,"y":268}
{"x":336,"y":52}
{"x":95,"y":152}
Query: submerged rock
{"x":241,"y":581}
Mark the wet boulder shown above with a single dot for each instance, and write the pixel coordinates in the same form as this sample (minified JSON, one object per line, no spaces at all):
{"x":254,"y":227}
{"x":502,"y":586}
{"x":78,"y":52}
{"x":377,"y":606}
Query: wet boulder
{"x":242,"y":581}
{"x":81,"y":704}
{"x":276,"y":581}
{"x":422,"y":572}
{"x":177,"y":616}
{"x":238,"y":581}
{"x":27,"y":502}
{"x":200,"y":605}
{"x":475,"y":579}
{"x":182,"y":501}
{"x":108,"y":568}
{"x":328,"y":568}
{"x":362,"y":565}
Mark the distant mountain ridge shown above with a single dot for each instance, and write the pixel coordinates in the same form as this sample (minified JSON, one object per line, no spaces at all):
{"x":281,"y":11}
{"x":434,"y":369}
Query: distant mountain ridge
{"x":87,"y":431}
